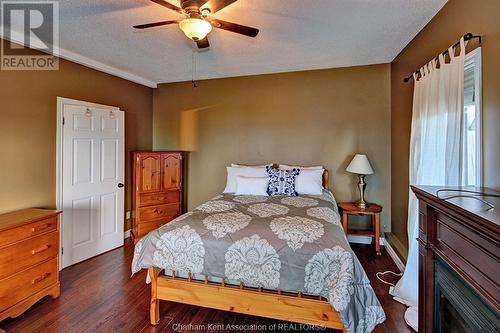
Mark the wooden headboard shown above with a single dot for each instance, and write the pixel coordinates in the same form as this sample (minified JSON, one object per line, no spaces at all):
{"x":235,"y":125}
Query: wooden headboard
{"x":325,"y":180}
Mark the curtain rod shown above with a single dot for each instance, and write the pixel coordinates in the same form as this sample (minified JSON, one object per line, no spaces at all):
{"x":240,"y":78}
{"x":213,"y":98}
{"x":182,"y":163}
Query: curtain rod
{"x":468,"y":36}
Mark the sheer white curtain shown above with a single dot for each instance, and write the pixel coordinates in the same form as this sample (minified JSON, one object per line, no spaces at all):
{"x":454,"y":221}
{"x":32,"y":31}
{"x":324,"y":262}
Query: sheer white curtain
{"x":435,"y":152}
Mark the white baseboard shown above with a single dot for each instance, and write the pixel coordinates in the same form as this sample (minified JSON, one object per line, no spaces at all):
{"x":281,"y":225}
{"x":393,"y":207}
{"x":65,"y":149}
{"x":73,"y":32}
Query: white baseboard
{"x":126,"y":234}
{"x":368,"y":240}
{"x":356,"y":239}
{"x":394,"y":256}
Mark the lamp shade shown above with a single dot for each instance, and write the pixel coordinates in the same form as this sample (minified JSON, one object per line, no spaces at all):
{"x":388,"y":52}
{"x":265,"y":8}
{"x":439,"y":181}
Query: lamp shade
{"x":360,"y":165}
{"x":195,"y":28}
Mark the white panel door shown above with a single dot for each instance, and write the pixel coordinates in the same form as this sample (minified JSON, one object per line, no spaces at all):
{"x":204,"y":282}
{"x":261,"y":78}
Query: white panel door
{"x":92,"y":181}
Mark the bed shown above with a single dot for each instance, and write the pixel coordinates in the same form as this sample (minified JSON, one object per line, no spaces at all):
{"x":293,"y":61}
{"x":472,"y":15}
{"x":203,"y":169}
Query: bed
{"x":279,"y":257}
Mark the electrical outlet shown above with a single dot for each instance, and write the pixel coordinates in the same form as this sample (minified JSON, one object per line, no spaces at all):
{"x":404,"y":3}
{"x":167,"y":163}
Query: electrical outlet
{"x":127,"y":215}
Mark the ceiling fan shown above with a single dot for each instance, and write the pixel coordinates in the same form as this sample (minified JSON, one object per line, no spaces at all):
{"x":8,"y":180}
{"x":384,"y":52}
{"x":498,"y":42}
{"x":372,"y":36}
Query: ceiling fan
{"x":198,"y":21}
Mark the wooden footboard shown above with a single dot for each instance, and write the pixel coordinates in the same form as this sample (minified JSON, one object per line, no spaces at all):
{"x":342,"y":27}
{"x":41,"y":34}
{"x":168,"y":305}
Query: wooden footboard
{"x":293,"y":307}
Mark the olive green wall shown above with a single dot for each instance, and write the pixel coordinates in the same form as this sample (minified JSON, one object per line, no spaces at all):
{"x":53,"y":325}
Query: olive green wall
{"x":306,"y":118}
{"x":455,"y":19}
{"x":28,"y":126}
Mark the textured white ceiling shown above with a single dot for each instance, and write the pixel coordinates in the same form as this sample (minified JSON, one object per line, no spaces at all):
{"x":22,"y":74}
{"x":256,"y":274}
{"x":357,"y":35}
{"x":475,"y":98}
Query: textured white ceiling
{"x":294,"y":35}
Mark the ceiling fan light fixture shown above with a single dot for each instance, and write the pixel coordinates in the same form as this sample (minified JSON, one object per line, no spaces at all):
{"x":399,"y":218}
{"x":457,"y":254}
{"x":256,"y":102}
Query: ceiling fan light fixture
{"x":195,"y":28}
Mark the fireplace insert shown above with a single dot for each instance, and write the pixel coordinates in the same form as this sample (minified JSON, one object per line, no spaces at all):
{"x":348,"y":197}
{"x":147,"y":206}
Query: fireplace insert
{"x":457,"y":307}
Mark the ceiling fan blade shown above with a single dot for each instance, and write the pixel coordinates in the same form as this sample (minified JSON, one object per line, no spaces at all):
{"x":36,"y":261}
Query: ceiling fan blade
{"x":155,"y":24}
{"x":202,"y":44}
{"x":233,"y":27}
{"x":168,"y":5}
{"x":216,"y":5}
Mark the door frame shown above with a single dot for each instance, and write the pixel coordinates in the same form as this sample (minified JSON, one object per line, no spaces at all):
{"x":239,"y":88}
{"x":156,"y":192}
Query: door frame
{"x":61,"y":101}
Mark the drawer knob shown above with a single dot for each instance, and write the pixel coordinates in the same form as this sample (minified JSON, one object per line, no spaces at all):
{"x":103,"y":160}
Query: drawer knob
{"x":40,"y":278}
{"x":40,"y":249}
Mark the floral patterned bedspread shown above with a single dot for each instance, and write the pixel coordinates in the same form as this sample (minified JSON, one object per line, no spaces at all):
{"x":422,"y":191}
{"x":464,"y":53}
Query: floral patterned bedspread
{"x":287,"y":243}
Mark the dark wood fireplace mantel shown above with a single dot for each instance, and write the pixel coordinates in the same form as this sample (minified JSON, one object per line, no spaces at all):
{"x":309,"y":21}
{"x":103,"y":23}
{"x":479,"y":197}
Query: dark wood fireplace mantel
{"x":461,"y":234}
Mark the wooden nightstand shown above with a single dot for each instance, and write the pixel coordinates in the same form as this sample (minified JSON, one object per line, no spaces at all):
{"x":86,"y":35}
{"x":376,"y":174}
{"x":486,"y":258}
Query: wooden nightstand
{"x":350,"y":208}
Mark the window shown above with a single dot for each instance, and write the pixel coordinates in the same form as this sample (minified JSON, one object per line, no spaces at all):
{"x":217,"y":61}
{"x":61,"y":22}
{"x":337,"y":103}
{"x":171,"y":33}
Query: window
{"x":471,"y":121}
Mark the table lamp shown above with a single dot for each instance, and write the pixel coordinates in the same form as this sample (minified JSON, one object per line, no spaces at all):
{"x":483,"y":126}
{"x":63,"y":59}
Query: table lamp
{"x":360,"y":166}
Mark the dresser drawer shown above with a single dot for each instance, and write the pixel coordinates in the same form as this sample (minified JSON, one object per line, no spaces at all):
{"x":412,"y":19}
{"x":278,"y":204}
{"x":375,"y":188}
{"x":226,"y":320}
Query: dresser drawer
{"x":27,"y":253}
{"x":159,"y":211}
{"x":13,"y":235}
{"x":145,"y":228}
{"x":26,"y":283}
{"x":159,"y":198}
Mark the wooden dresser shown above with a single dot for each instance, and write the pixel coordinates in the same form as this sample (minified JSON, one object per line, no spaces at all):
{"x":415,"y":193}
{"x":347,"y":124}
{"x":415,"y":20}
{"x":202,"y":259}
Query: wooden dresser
{"x":157,"y":190}
{"x":459,"y":261}
{"x":29,"y":255}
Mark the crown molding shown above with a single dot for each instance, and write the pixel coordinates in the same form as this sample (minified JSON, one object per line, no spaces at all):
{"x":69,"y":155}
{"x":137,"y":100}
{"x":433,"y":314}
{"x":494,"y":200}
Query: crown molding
{"x":17,"y":37}
{"x":87,"y":62}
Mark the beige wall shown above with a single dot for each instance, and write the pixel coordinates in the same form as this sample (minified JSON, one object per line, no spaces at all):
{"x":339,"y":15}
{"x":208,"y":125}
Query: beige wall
{"x":455,"y":19}
{"x":307,"y":118}
{"x":28,"y":126}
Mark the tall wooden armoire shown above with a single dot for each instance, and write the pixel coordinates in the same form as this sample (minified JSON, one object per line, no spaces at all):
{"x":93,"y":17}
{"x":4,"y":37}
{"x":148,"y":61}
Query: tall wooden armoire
{"x":157,"y":190}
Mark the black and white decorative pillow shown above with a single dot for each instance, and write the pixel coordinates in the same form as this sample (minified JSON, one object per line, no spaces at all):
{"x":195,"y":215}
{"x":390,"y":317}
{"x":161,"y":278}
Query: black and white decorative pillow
{"x":282,"y":182}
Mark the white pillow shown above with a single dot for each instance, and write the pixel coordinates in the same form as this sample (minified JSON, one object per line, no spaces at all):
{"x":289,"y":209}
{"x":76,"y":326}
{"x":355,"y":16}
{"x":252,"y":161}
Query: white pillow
{"x":233,"y":172}
{"x":309,"y":181}
{"x":251,"y":185}
{"x":290,"y":167}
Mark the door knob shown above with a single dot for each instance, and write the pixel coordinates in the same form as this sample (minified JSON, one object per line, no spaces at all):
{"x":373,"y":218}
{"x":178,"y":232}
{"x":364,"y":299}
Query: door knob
{"x":120,"y":185}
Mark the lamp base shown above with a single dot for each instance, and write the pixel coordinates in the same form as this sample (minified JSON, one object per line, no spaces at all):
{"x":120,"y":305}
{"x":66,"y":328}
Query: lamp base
{"x":361,"y":187}
{"x":362,"y":204}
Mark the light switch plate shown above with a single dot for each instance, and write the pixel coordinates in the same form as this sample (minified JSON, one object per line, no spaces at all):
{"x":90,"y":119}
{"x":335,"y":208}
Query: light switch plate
{"x":127,"y":215}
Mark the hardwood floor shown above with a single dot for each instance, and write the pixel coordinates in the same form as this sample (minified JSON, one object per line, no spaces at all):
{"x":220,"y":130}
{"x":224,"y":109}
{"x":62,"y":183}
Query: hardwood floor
{"x":99,"y":295}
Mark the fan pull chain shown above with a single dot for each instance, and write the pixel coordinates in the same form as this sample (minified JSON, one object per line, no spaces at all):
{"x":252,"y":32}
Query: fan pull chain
{"x":193,"y":69}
